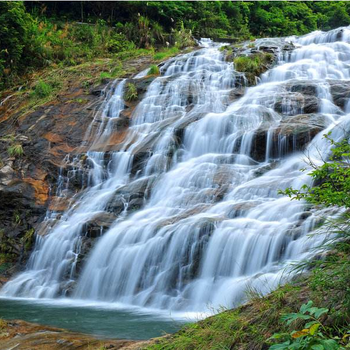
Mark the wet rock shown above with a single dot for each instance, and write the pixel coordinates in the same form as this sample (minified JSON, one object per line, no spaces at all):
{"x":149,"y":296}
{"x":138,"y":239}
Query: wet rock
{"x":340,"y":92}
{"x":292,"y":134}
{"x":98,"y":224}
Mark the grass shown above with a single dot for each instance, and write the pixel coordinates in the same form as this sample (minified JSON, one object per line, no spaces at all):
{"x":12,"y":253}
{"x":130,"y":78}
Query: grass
{"x":253,"y":65}
{"x":30,"y":97}
{"x":166,"y":53}
{"x":153,"y":70}
{"x":130,"y":92}
{"x":15,"y":150}
{"x":105,"y":75}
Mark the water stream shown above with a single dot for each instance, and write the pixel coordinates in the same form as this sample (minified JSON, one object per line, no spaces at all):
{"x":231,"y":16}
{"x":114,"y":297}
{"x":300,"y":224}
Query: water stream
{"x":211,"y":222}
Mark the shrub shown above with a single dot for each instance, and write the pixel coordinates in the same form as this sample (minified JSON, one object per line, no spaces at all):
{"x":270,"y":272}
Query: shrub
{"x":332,"y":178}
{"x":118,"y":42}
{"x":154,"y":70}
{"x":183,"y":37}
{"x":130,"y":92}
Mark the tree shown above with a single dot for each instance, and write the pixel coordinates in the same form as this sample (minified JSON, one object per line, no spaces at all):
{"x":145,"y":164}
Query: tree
{"x":15,"y":26}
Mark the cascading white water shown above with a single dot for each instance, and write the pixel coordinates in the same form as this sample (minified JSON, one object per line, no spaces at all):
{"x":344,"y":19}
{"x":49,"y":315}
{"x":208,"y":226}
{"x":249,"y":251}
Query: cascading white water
{"x":213,"y":221}
{"x":55,"y":255}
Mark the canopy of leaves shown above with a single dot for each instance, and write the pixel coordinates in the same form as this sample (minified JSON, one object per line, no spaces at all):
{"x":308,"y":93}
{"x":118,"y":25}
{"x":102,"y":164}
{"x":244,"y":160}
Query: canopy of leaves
{"x":38,"y":33}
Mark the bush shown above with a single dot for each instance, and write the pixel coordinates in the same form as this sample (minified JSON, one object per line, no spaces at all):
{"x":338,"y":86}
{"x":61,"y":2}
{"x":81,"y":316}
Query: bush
{"x":183,"y":37}
{"x":118,"y":42}
{"x":130,"y":92}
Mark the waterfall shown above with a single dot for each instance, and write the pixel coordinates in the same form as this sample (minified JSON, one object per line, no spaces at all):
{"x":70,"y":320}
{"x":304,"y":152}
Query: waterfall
{"x":211,"y":222}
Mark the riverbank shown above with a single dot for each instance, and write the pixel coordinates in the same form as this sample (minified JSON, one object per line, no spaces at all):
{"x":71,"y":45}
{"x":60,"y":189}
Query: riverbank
{"x":27,"y":336}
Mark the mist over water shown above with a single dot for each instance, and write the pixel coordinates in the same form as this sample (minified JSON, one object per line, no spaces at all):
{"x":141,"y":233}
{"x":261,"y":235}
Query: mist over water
{"x":213,"y":222}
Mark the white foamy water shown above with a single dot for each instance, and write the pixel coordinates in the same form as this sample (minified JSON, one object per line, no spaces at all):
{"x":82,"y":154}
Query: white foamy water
{"x":212,"y":221}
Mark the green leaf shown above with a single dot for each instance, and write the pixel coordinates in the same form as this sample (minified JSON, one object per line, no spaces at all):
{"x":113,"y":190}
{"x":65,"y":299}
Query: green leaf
{"x":330,"y":344}
{"x":320,"y":312}
{"x":282,"y":346}
{"x":305,"y":307}
{"x":289,"y":318}
{"x":314,"y":328}
{"x":278,"y":336}
{"x":317,"y":347}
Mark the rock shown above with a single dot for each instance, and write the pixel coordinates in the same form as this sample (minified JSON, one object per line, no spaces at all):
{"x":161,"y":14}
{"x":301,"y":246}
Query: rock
{"x":292,"y":134}
{"x":6,"y":175}
{"x":99,"y":224}
{"x":28,"y":336}
{"x":340,"y":92}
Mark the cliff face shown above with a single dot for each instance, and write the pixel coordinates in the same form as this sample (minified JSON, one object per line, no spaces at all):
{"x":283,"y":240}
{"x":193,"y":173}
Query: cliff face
{"x":35,"y":138}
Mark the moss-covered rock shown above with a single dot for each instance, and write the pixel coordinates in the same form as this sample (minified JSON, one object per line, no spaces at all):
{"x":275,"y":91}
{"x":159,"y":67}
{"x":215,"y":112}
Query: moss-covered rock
{"x":254,"y":65}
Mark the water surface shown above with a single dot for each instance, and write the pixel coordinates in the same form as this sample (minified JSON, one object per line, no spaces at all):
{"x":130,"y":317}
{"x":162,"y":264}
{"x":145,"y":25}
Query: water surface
{"x":97,"y":320}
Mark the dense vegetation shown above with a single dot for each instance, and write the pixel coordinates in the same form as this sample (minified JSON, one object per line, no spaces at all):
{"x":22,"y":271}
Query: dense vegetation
{"x":38,"y":34}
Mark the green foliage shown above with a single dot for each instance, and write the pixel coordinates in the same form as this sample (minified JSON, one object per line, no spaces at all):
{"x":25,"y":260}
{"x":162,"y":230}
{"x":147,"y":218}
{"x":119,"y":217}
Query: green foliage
{"x":253,"y":65}
{"x":332,"y":179}
{"x":15,"y":25}
{"x":105,"y":75}
{"x":333,"y":275}
{"x":41,"y":90}
{"x":28,"y":239}
{"x":15,"y":150}
{"x":164,"y":54}
{"x":313,"y":336}
{"x":118,"y":43}
{"x":183,"y":37}
{"x":130,"y":92}
{"x":154,"y":70}
{"x":34,"y":35}
{"x":8,"y":249}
